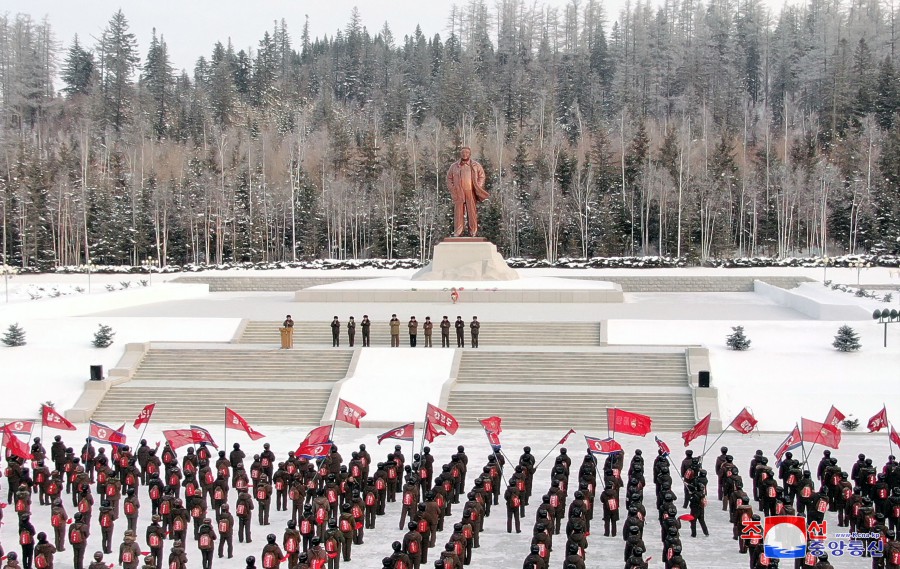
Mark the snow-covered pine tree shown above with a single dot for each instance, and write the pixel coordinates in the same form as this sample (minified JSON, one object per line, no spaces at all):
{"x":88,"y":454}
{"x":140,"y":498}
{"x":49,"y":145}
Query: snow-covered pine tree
{"x":847,"y":340}
{"x":103,"y":337}
{"x":737,"y":340}
{"x":14,"y":337}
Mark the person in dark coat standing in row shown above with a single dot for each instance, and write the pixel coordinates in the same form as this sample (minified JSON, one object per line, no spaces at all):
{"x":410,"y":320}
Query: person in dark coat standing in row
{"x":365,"y":325}
{"x":351,"y":330}
{"x":460,"y":332}
{"x":335,"y":332}
{"x":445,"y":332}
{"x":474,"y":326}
{"x":428,"y":327}
{"x":413,"y":326}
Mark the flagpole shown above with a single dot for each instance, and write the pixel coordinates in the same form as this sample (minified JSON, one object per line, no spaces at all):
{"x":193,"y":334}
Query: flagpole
{"x":705,"y":448}
{"x":550,"y":451}
{"x":608,"y":435}
{"x":144,"y":430}
{"x":225,"y":429}
{"x":495,"y":452}
{"x":889,"y":427}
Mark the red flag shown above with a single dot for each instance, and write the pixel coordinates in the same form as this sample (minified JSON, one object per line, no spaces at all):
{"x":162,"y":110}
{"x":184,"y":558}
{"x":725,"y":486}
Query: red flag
{"x":238,"y":423}
{"x":493,"y":440}
{"x":491,"y":425}
{"x":563,"y":440}
{"x":792,"y":441}
{"x":745,"y":422}
{"x":317,"y":443}
{"x":442,"y":418}
{"x":894,"y":436}
{"x":629,"y":423}
{"x":201,"y":435}
{"x":50,"y":418}
{"x":403,"y":433}
{"x":104,"y":434}
{"x":698,"y":430}
{"x":179,"y":437}
{"x":20,"y":427}
{"x":833,"y":420}
{"x":144,"y":416}
{"x":879,"y":421}
{"x":602,"y":446}
{"x":432,"y":432}
{"x":666,"y":451}
{"x":349,"y":413}
{"x":820,"y":433}
{"x":14,"y":445}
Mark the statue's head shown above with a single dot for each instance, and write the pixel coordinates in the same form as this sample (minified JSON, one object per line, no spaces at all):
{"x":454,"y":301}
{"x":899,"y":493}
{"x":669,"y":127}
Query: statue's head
{"x":465,"y":153}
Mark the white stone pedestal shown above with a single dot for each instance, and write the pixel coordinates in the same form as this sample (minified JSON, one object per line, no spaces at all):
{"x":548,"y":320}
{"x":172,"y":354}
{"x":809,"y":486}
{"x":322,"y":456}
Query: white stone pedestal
{"x":466,"y":259}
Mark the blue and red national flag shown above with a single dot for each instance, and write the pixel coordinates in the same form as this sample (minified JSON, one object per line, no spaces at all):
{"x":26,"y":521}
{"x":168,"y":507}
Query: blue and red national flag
{"x":602,"y":446}
{"x":666,"y":451}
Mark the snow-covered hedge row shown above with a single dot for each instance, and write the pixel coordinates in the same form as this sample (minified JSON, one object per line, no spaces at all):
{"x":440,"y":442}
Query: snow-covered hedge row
{"x":515,"y":262}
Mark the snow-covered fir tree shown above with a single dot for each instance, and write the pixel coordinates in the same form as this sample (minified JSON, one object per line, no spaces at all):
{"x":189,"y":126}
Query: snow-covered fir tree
{"x":103,"y":337}
{"x":737,"y":340}
{"x":14,"y":337}
{"x":847,"y":340}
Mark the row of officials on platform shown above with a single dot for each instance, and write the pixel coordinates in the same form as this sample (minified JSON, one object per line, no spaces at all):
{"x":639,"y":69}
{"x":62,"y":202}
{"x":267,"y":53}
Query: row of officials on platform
{"x":412,"y":326}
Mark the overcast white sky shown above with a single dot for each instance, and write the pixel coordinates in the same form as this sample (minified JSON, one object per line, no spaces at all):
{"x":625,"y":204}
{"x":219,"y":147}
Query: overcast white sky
{"x":191,"y":27}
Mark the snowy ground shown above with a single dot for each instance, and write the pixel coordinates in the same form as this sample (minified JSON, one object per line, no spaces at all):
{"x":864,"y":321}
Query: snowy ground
{"x":498,"y":549}
{"x":790,"y":369}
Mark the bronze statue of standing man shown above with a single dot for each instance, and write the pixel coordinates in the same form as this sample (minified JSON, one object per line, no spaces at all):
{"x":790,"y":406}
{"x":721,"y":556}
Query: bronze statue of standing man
{"x":465,"y":179}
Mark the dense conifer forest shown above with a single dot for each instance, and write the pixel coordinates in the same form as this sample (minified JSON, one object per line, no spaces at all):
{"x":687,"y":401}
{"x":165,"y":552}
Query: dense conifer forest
{"x":684,"y":128}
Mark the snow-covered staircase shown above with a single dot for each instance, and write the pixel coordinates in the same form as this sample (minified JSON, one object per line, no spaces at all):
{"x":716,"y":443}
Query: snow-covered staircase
{"x":560,"y":389}
{"x":195,"y":382}
{"x":492,"y":333}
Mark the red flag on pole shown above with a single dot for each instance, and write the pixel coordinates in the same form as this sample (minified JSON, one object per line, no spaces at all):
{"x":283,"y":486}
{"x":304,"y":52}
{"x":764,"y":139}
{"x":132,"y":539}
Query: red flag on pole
{"x":316,"y":444}
{"x":442,"y":418}
{"x":179,"y":437}
{"x":349,"y":413}
{"x":629,"y":423}
{"x":666,"y":451}
{"x":793,"y":440}
{"x":602,"y":446}
{"x":745,"y":422}
{"x":50,"y":418}
{"x":20,"y":427}
{"x":14,"y":445}
{"x":894,"y":436}
{"x":403,"y":433}
{"x":563,"y":440}
{"x":878,"y":421}
{"x":820,"y":433}
{"x":492,"y":425}
{"x":698,"y":430}
{"x":238,"y":423}
{"x":201,"y":435}
{"x":104,"y":434}
{"x":432,"y":432}
{"x":834,"y":418}
{"x":144,"y":416}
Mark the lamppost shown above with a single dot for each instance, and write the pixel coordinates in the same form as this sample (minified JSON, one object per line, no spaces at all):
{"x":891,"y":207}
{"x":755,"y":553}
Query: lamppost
{"x":90,"y":265}
{"x":859,"y":267}
{"x":6,"y":270}
{"x":886,"y":317}
{"x":150,"y":263}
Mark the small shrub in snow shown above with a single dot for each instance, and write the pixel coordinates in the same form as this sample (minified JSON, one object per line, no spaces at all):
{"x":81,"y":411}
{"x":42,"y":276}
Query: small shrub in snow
{"x":847,"y":340}
{"x":14,"y":337}
{"x":827,"y":283}
{"x":111,"y":287}
{"x":79,"y":290}
{"x":125,"y":284}
{"x":888,"y":298}
{"x":144,"y":282}
{"x":860,"y":293}
{"x":850,"y":424}
{"x":737,"y":340}
{"x":103,"y":337}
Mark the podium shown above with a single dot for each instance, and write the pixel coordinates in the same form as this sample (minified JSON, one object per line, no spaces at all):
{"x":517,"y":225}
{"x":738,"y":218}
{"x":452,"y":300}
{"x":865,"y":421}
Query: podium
{"x":287,"y":338}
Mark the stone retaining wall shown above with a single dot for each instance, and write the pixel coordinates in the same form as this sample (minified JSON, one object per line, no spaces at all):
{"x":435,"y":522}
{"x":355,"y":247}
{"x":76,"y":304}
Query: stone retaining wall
{"x":647,"y":283}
